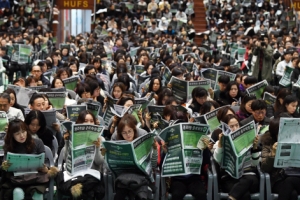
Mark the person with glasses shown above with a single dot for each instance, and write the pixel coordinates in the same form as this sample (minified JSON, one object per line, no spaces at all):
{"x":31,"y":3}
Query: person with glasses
{"x":11,"y":112}
{"x":238,"y":189}
{"x":259,"y":110}
{"x":36,"y":123}
{"x":36,"y":72}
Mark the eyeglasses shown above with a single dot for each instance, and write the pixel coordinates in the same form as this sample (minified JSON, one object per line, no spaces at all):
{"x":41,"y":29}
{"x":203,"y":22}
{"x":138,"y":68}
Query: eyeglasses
{"x":36,"y":71}
{"x":128,"y":133}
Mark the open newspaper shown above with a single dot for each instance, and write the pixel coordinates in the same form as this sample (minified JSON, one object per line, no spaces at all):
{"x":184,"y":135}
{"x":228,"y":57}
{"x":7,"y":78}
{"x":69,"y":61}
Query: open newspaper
{"x":50,"y":116}
{"x":73,"y":111}
{"x":25,"y":163}
{"x":135,"y":156}
{"x":109,"y":104}
{"x":288,"y":146}
{"x":183,"y":89}
{"x":236,"y":145}
{"x":297,"y":84}
{"x":22,"y":94}
{"x":70,"y":83}
{"x":57,"y":99}
{"x":220,"y":73}
{"x":94,"y":107}
{"x":269,"y":98}
{"x":3,"y":121}
{"x":183,"y":156}
{"x":2,"y":136}
{"x":81,"y":151}
{"x":210,"y":74}
{"x":257,"y":89}
{"x":285,"y":80}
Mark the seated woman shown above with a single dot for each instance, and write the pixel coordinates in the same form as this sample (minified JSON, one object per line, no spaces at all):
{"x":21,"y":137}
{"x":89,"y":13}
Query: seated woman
{"x":238,"y":189}
{"x":128,"y":131}
{"x":245,"y":107}
{"x":19,"y":140}
{"x":199,"y":96}
{"x":84,"y":187}
{"x":36,"y":122}
{"x":231,"y":94}
{"x":289,"y":106}
{"x":287,"y":188}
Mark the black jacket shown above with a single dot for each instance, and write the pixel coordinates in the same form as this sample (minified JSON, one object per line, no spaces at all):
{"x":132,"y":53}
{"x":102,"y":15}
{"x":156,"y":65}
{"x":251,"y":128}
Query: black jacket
{"x":266,"y":121}
{"x":295,"y":75}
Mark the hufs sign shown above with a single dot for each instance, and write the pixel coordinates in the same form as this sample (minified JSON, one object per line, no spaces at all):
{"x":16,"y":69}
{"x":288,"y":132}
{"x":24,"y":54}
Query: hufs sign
{"x":296,"y":5}
{"x":75,"y":4}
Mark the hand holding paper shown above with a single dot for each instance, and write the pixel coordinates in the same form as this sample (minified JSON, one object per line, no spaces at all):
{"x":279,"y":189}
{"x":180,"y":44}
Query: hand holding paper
{"x":5,"y":165}
{"x":220,"y":140}
{"x":255,"y":143}
{"x":97,"y":143}
{"x":274,"y":148}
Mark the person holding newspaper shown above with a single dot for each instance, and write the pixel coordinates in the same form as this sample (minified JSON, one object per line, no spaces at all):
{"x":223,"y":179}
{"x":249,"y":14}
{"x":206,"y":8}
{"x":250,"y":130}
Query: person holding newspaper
{"x":87,"y":186}
{"x":18,"y":140}
{"x":238,"y":189}
{"x":287,"y":187}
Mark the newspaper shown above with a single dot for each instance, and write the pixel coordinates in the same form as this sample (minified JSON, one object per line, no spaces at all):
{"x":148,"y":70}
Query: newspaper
{"x":3,"y":121}
{"x":221,"y":72}
{"x":257,"y":89}
{"x":107,"y":113}
{"x":37,"y":88}
{"x":236,"y":145}
{"x":81,"y":151}
{"x":135,"y":156}
{"x":210,"y":74}
{"x":50,"y":116}
{"x":95,"y":107}
{"x":2,"y":136}
{"x":183,"y":156}
{"x":285,"y":80}
{"x":22,"y":94}
{"x":57,"y":99}
{"x":183,"y":89}
{"x":167,"y":75}
{"x":73,"y":111}
{"x":70,"y":83}
{"x":297,"y":84}
{"x":288,"y":146}
{"x":269,"y":98}
{"x":139,"y":69}
{"x":25,"y":163}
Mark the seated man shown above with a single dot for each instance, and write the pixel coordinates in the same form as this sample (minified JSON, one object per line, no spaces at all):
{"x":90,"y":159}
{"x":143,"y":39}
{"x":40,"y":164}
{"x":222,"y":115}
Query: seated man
{"x":223,"y":80}
{"x":259,"y":110}
{"x":12,"y":113}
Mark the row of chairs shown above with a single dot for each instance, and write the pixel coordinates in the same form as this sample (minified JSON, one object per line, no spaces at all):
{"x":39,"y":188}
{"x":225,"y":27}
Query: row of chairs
{"x":213,"y":191}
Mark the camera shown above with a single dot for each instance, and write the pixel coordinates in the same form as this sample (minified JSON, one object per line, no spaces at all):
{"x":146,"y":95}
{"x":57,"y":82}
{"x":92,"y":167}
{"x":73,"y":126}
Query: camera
{"x":263,"y":44}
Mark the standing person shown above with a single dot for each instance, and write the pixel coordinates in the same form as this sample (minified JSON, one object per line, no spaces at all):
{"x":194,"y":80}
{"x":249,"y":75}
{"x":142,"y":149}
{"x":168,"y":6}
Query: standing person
{"x":263,"y":66}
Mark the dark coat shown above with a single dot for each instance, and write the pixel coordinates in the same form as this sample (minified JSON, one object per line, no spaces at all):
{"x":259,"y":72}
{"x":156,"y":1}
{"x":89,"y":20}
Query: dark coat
{"x":266,"y":121}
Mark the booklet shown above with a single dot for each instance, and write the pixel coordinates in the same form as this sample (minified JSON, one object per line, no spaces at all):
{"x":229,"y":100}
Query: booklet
{"x":57,"y":99}
{"x":81,"y":152}
{"x":135,"y":156}
{"x":22,"y":94}
{"x":139,"y":69}
{"x":3,"y":121}
{"x":221,"y":72}
{"x":50,"y":116}
{"x":73,"y":111}
{"x":288,"y":146}
{"x":269,"y":98}
{"x":95,"y":107}
{"x":297,"y":84}
{"x":70,"y":83}
{"x":237,"y":155}
{"x":285,"y":80}
{"x":66,"y":126}
{"x":37,"y":88}
{"x":118,"y":110}
{"x":2,"y":136}
{"x":210,"y":74}
{"x":167,"y":74}
{"x":257,"y":89}
{"x":25,"y":163}
{"x":183,"y":156}
{"x":183,"y":89}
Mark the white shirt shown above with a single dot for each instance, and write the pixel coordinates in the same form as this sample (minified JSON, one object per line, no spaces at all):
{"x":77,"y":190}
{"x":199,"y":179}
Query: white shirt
{"x":14,"y":113}
{"x":281,"y":67}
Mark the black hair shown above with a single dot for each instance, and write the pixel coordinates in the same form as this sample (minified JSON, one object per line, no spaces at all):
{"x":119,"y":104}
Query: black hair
{"x":224,"y":79}
{"x":206,"y":107}
{"x":250,"y":80}
{"x":259,"y":104}
{"x":88,"y":68}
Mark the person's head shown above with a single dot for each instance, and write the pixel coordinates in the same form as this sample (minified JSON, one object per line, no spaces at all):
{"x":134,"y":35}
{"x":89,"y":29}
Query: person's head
{"x":83,"y":90}
{"x":270,"y":89}
{"x":62,"y":73}
{"x":117,"y":90}
{"x":125,"y":79}
{"x":90,"y":70}
{"x":125,"y":101}
{"x":246,"y":104}
{"x":259,"y":110}
{"x":57,"y":83}
{"x":169,"y":113}
{"x":171,"y":101}
{"x":127,"y":128}
{"x":36,"y":71}
{"x":290,"y":104}
{"x":20,"y":82}
{"x":18,"y":133}
{"x":249,"y":81}
{"x":73,"y":66}
{"x":37,"y":102}
{"x":13,"y":96}
{"x":155,"y":85}
{"x":223,"y":80}
{"x":94,"y":85}
{"x":4,"y":102}
{"x":232,"y":121}
{"x":163,"y":96}
{"x":36,"y":121}
{"x":86,"y":117}
{"x":208,"y":106}
{"x":222,"y":112}
{"x":280,"y":97}
{"x":148,"y":67}
{"x":287,"y":55}
{"x":274,"y":128}
{"x":232,"y":89}
{"x":178,"y":73}
{"x":199,"y":95}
